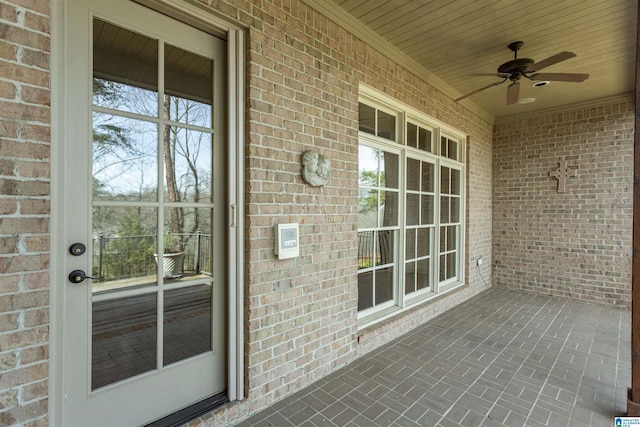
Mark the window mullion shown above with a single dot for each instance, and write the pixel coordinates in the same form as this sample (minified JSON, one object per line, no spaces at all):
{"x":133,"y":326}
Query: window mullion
{"x":402,"y":223}
{"x":400,"y":245}
{"x":436,"y":223}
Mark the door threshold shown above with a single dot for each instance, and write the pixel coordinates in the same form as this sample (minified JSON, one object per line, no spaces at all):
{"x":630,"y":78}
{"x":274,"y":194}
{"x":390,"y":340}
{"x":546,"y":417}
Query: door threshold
{"x":192,"y":412}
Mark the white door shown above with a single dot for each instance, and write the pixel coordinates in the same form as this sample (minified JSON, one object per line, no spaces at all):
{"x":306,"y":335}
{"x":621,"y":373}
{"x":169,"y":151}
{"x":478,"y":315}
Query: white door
{"x":144,"y":186}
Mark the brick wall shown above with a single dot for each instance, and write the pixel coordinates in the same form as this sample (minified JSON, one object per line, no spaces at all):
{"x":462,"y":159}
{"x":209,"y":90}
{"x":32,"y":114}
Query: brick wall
{"x":303,"y":78}
{"x":303,"y":73}
{"x":577,"y":244}
{"x":24,"y":211}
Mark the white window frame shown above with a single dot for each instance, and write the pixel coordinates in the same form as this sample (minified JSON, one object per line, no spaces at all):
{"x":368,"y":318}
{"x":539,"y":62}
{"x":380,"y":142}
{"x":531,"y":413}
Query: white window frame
{"x":401,"y":302}
{"x":381,"y":144}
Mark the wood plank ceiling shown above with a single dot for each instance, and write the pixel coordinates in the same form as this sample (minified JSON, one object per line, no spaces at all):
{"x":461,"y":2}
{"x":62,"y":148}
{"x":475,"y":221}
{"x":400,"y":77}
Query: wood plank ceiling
{"x":453,"y":39}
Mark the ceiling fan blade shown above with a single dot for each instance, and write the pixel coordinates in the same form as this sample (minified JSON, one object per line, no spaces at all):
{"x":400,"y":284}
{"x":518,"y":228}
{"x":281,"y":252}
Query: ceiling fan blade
{"x":558,"y":57}
{"x":560,"y":77}
{"x":479,"y":90}
{"x":501,"y":75}
{"x":513,"y":93}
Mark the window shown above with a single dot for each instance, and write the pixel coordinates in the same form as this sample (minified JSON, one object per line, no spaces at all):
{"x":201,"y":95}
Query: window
{"x":411,"y":208}
{"x":378,"y":225}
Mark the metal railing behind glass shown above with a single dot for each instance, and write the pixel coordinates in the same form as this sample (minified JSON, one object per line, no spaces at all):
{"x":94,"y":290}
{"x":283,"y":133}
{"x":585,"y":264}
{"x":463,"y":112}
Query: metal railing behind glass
{"x":381,"y":242}
{"x":124,"y":257}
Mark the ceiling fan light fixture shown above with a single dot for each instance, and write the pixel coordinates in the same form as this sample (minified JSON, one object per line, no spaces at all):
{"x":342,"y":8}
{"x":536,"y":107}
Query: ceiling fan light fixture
{"x":526,"y":100}
{"x":541,"y":83}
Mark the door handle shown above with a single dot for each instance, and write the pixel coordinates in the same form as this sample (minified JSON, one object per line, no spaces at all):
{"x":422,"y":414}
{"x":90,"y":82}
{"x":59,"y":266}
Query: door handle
{"x":78,"y":276}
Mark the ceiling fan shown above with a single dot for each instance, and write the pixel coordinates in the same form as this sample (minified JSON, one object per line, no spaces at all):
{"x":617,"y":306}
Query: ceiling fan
{"x":517,"y":68}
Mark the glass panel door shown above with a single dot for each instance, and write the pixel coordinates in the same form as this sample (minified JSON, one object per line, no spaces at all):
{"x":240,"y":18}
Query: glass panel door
{"x":144,"y":137}
{"x":152,"y":245}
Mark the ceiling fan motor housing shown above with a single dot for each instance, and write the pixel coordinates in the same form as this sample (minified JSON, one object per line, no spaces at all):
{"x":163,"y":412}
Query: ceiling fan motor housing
{"x":520,"y":65}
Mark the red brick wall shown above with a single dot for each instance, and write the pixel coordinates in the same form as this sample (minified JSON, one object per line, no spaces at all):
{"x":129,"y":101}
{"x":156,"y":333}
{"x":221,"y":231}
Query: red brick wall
{"x":577,"y":244}
{"x":24,"y":211}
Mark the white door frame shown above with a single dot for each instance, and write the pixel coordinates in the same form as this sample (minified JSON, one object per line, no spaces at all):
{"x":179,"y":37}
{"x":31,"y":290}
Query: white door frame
{"x":207,"y":20}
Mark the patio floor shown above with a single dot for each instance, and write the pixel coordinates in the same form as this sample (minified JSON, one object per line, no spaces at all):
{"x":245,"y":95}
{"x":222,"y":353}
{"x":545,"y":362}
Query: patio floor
{"x":503,"y":358}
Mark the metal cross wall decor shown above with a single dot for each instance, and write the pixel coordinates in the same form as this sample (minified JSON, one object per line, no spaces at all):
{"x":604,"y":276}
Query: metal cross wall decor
{"x":562,"y":173}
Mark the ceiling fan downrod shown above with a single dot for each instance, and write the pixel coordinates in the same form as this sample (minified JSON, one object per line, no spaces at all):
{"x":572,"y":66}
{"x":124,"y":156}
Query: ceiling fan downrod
{"x":515,"y":47}
{"x":516,"y":68}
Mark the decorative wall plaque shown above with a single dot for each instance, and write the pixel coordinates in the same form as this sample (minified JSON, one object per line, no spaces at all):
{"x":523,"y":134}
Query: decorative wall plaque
{"x":562,"y":173}
{"x":316,"y":168}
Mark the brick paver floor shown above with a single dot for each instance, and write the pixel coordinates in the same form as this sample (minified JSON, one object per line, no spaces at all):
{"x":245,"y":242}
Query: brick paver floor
{"x":503,"y":358}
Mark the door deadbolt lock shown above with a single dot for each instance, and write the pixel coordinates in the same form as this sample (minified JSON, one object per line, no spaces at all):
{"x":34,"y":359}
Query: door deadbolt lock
{"x":77,"y":249}
{"x":78,"y":276}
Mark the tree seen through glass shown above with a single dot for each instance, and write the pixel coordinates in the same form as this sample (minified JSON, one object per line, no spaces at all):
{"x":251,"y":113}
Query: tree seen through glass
{"x":126,"y":168}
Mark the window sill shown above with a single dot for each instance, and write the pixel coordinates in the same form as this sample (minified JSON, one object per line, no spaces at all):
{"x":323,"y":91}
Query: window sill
{"x":391,"y":315}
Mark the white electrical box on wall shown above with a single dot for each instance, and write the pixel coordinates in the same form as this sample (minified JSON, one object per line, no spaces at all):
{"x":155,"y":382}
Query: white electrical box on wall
{"x":287,"y":241}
